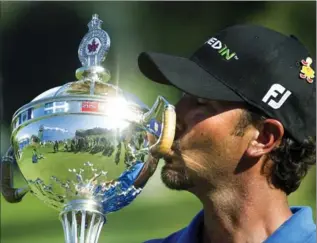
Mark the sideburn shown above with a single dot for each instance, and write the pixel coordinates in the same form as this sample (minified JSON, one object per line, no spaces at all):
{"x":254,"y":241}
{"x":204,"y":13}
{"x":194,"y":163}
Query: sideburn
{"x":247,"y":118}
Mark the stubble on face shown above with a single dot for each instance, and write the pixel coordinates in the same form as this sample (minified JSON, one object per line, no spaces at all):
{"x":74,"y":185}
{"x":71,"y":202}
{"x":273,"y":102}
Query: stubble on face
{"x":176,"y":176}
{"x":185,"y":169}
{"x":176,"y":180}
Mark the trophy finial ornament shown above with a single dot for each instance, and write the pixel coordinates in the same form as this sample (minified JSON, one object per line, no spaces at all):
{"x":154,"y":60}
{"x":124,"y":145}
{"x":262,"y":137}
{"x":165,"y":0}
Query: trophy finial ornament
{"x":93,"y":50}
{"x":82,"y":146}
{"x":95,"y":23}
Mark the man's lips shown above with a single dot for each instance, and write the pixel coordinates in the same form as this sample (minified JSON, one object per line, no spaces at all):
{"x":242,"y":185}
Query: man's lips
{"x":172,"y":154}
{"x":173,"y":162}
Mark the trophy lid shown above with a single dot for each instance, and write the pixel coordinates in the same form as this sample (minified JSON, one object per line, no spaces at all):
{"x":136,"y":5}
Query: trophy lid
{"x":93,"y":50}
{"x":90,"y":90}
{"x":95,"y":44}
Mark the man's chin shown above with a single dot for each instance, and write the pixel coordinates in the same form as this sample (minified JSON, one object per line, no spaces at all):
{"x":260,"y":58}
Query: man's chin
{"x":175,"y":178}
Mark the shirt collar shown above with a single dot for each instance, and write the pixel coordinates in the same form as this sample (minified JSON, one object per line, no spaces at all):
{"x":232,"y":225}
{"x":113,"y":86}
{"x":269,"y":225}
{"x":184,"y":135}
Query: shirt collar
{"x":298,"y":227}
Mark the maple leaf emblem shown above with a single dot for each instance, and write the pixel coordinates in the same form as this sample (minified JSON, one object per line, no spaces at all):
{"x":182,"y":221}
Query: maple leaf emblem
{"x":93,"y":46}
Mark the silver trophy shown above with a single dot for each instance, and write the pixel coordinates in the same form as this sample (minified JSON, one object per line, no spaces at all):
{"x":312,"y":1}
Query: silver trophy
{"x":82,"y":147}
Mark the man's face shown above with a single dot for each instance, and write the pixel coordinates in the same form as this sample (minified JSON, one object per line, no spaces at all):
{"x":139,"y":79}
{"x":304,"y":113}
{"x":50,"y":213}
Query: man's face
{"x":206,"y":150}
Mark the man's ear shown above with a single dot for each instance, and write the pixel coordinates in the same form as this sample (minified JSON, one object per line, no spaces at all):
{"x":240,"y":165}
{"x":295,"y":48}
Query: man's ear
{"x":266,"y":138}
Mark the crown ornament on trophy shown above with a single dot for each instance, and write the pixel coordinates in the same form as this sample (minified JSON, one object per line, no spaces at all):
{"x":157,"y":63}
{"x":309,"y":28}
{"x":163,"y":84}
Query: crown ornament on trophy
{"x":82,"y":147}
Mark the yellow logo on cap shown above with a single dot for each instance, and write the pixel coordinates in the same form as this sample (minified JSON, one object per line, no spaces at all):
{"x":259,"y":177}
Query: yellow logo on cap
{"x":307,"y":72}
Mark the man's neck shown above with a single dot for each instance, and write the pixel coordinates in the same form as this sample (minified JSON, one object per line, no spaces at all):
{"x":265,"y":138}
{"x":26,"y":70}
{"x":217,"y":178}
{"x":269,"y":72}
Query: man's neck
{"x":249,"y":215}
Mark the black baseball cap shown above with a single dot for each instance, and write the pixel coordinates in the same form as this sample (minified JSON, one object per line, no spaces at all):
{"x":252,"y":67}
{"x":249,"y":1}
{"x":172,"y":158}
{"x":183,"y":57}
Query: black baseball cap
{"x":270,"y":71}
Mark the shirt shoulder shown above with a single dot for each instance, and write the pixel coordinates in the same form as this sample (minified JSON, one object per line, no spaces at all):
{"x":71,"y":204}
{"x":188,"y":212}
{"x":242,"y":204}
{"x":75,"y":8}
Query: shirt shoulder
{"x":299,"y":228}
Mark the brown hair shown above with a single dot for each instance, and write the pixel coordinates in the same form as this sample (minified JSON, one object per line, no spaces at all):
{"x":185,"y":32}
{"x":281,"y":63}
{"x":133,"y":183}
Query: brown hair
{"x":291,"y":160}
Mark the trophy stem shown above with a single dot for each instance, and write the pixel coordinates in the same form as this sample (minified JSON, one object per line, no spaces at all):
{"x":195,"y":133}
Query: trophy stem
{"x":82,"y":221}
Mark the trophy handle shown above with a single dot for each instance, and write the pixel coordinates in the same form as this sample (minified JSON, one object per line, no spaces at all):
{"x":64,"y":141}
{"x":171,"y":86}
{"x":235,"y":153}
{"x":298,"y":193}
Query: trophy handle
{"x":11,"y":194}
{"x":165,"y":111}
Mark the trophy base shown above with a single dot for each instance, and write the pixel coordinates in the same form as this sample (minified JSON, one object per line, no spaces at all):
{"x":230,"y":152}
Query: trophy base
{"x":82,"y":221}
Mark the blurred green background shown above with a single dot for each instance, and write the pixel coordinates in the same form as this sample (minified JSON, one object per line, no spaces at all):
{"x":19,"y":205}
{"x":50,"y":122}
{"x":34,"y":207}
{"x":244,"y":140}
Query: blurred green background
{"x":39,"y":42}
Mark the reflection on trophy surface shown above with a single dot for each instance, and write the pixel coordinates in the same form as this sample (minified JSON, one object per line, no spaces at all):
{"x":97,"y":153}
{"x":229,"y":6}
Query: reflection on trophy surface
{"x":81,"y":146}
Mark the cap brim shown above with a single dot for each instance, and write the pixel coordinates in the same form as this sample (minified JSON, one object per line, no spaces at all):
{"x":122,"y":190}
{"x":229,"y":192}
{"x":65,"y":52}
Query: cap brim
{"x":185,"y":75}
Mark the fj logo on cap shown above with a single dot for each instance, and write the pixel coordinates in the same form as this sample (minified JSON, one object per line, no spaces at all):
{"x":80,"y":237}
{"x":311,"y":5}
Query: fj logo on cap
{"x":223,"y":50}
{"x":307,"y":72}
{"x":272,"y":99}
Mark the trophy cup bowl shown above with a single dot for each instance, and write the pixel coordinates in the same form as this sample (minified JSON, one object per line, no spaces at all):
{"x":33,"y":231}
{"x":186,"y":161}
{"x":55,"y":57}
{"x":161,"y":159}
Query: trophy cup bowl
{"x":81,"y":146}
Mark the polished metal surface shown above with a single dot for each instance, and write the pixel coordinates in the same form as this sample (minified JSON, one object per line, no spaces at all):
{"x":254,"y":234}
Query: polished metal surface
{"x":69,"y":146}
{"x":82,"y":146}
{"x":65,"y":157}
{"x":82,"y":222}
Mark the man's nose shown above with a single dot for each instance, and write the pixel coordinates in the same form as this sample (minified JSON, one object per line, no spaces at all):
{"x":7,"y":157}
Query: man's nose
{"x":181,"y":109}
{"x":180,"y":122}
{"x":180,"y":128}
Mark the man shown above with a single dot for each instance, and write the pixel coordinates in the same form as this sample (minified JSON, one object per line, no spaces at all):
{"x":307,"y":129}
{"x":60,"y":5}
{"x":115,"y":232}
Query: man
{"x":245,"y":135}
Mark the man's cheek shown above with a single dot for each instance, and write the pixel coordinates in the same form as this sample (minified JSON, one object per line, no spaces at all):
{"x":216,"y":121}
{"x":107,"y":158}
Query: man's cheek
{"x":198,"y":137}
